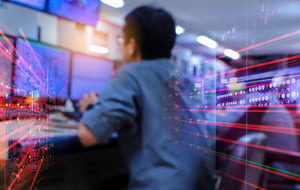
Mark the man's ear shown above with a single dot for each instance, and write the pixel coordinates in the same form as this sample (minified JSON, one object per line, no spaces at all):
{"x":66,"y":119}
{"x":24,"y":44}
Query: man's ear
{"x":132,"y":47}
{"x":133,"y":50}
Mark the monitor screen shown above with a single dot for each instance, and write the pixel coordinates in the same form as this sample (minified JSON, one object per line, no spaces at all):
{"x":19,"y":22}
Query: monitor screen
{"x":82,"y":11}
{"x":6,"y":51}
{"x":36,"y":4}
{"x":89,"y":74}
{"x":41,"y":70}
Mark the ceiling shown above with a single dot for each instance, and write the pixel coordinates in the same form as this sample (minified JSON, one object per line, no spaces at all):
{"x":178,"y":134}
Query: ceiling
{"x":262,"y":26}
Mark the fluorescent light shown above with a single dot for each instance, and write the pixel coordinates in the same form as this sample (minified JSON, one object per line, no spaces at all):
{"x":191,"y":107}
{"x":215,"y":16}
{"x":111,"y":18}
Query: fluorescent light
{"x":179,"y":30}
{"x":114,"y":3}
{"x":195,"y":59}
{"x":207,"y":42}
{"x":232,"y":54}
{"x":98,"y":49}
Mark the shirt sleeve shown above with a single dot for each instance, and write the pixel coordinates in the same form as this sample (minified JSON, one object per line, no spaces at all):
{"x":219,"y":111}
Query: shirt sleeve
{"x":116,"y":108}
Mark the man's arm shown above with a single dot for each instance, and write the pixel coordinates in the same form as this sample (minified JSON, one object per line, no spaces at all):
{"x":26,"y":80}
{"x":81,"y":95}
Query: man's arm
{"x":86,"y":137}
{"x":87,"y":100}
{"x":115,"y":110}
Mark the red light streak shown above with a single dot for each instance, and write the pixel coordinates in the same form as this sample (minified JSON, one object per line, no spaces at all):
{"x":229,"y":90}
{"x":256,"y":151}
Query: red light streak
{"x":36,"y":174}
{"x":24,"y":158}
{"x":248,"y":111}
{"x":247,"y":163}
{"x":247,"y":106}
{"x":292,"y":153}
{"x":254,"y":66}
{"x":13,"y":182}
{"x":11,"y":59}
{"x":17,"y":130}
{"x":269,"y":41}
{"x":32,"y":51}
{"x":240,"y":180}
{"x":289,"y":131}
{"x":15,"y":143}
{"x":227,"y":175}
{"x":259,"y":44}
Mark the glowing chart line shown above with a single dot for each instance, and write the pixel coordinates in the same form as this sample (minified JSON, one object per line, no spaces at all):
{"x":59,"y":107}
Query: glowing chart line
{"x":277,"y":150}
{"x":289,"y":131}
{"x":248,"y":111}
{"x":263,"y":167}
{"x":32,"y":51}
{"x":258,"y":45}
{"x":15,"y":143}
{"x":254,"y":66}
{"x":36,"y":174}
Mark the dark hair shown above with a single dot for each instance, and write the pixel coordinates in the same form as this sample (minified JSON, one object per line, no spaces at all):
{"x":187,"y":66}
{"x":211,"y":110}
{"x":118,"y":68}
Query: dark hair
{"x":153,"y":29}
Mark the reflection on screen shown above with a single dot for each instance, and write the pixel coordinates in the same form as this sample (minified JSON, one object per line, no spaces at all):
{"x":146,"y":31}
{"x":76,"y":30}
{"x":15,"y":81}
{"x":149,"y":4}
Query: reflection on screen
{"x":82,"y":11}
{"x":5,"y":67}
{"x":37,"y":4}
{"x":41,"y":70}
{"x":89,"y":74}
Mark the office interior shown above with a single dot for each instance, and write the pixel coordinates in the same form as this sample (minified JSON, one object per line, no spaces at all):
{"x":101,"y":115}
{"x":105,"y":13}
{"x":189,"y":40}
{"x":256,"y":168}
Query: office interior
{"x":242,"y":58}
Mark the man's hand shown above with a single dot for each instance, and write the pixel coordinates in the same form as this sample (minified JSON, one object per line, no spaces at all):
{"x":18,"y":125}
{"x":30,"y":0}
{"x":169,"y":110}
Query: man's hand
{"x":88,"y":99}
{"x":86,"y":137}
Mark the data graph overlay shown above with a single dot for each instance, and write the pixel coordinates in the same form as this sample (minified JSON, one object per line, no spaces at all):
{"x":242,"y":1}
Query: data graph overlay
{"x":252,"y":102}
{"x":28,"y":152}
{"x":28,"y":90}
{"x":263,"y":99}
{"x":251,"y":111}
{"x":41,"y":70}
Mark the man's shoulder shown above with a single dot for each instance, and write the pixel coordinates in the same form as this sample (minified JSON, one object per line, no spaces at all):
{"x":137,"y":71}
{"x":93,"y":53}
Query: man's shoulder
{"x":146,"y":69}
{"x":146,"y":64}
{"x":133,"y":68}
{"x":130,"y":67}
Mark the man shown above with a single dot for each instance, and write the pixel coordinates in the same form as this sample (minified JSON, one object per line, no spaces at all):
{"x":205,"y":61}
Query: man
{"x":139,"y":103}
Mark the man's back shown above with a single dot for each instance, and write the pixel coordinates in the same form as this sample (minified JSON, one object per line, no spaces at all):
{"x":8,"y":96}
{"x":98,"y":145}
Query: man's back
{"x":149,"y":137}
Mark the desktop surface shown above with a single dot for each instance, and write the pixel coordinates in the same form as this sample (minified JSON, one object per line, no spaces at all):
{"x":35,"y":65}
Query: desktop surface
{"x":49,"y":147}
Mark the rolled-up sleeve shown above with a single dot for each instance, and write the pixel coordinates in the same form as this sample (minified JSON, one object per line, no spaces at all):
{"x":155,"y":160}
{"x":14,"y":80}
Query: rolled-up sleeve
{"x":116,"y":108}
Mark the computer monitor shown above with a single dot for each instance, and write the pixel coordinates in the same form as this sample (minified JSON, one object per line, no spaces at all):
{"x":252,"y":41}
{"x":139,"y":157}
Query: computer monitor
{"x":89,"y":74}
{"x":36,"y":4}
{"x":6,"y":54}
{"x":41,"y":70}
{"x":82,"y":11}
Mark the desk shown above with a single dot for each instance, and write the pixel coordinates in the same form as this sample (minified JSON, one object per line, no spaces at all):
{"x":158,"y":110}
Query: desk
{"x":28,"y":129}
{"x":45,"y":152}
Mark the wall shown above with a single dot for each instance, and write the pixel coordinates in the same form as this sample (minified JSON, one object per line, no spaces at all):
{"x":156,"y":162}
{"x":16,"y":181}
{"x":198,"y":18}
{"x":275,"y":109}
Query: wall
{"x":113,"y":31}
{"x":57,"y":31}
{"x":48,"y":25}
{"x":14,"y":17}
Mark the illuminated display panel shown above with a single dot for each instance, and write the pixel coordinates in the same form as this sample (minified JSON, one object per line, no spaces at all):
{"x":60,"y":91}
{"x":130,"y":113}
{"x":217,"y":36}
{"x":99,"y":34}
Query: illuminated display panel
{"x":252,"y":102}
{"x":41,"y":70}
{"x":82,"y":11}
{"x":6,"y":58}
{"x":89,"y":74}
{"x":36,"y":4}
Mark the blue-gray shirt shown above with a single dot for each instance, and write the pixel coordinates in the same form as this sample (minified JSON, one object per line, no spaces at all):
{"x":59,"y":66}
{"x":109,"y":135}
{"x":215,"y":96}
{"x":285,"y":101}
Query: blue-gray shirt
{"x":140,"y":103}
